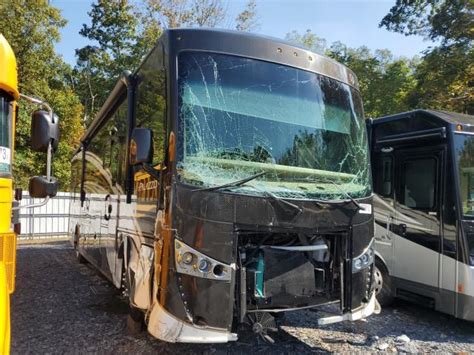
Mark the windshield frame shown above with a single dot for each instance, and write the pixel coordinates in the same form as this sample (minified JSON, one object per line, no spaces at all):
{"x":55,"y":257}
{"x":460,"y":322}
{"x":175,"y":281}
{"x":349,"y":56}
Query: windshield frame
{"x":365,"y":189}
{"x":458,"y":171}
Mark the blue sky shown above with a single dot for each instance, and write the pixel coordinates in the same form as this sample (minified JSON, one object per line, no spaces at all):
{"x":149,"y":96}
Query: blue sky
{"x":353,"y":22}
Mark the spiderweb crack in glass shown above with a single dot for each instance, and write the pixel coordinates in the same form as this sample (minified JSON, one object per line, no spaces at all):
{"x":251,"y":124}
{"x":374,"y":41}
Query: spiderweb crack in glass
{"x":240,"y":116}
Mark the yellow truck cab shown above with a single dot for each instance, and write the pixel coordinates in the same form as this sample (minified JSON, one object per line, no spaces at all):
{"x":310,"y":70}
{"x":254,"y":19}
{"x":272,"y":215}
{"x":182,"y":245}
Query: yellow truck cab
{"x":8,"y":96}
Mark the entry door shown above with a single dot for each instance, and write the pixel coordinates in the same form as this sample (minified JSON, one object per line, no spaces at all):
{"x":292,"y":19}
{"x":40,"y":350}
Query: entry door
{"x":416,"y":227}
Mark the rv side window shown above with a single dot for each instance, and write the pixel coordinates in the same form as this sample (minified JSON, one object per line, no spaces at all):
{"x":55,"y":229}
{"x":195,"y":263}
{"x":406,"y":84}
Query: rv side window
{"x":151,"y":101}
{"x":418,"y":183}
{"x":385,"y":177}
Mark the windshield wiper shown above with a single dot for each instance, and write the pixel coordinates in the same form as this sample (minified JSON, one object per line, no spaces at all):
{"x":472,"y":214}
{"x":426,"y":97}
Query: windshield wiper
{"x":357,"y":204}
{"x":233,"y":183}
{"x":342,"y":191}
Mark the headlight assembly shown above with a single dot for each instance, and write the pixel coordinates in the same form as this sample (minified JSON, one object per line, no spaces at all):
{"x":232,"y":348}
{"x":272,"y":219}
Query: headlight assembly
{"x":364,"y":260}
{"x":191,"y":262}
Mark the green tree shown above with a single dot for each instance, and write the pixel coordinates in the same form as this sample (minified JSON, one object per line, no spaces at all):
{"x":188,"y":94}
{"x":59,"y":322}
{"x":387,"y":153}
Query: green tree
{"x":113,"y":36}
{"x":451,"y":21}
{"x":42,"y":73}
{"x":444,"y":77}
{"x":187,"y":13}
{"x":308,"y":40}
{"x":247,"y":20}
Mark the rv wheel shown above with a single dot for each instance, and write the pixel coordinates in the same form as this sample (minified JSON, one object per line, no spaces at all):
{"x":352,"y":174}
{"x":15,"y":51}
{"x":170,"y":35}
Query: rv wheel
{"x":382,"y":284}
{"x":135,"y":321}
{"x":80,"y":258}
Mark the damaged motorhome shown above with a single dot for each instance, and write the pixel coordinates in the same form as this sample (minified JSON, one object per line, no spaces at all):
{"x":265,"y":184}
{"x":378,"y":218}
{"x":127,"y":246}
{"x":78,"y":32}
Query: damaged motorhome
{"x":225,"y":181}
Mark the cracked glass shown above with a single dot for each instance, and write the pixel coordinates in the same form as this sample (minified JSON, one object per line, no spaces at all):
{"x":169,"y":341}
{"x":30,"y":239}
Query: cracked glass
{"x":240,"y":116}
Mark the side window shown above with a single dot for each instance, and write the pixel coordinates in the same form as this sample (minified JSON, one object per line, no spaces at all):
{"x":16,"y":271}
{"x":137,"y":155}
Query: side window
{"x":119,"y":145}
{"x":384,"y":176}
{"x":418,"y":183}
{"x":151,"y":101}
{"x":76,"y":173}
{"x":99,"y":160}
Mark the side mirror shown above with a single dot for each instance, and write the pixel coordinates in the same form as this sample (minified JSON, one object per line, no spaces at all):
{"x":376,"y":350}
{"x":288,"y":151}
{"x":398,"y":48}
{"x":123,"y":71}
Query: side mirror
{"x":42,"y":187}
{"x":44,"y":130}
{"x":141,"y":146}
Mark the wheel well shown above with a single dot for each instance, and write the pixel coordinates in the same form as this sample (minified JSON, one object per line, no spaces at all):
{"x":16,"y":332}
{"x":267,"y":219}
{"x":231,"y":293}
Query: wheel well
{"x":379,"y":262}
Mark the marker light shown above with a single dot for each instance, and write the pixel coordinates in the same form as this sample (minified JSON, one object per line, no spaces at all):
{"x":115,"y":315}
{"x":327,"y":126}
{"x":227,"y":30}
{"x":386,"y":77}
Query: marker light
{"x":187,"y":258}
{"x":203,"y":265}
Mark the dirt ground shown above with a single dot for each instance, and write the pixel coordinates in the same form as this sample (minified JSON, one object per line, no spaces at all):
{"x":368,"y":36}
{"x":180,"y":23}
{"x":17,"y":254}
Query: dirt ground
{"x":61,"y":306}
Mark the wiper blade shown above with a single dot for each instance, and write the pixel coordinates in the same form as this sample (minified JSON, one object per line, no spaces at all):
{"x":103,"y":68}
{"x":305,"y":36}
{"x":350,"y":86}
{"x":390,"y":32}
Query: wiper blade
{"x":357,"y":204}
{"x":233,"y":183}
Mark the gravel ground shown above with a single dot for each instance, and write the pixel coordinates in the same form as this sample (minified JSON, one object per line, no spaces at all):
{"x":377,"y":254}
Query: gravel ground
{"x":61,"y":306}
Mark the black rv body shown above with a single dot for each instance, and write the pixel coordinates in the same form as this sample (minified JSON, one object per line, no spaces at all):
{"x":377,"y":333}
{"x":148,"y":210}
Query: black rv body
{"x":423,"y":172}
{"x":223,"y":225}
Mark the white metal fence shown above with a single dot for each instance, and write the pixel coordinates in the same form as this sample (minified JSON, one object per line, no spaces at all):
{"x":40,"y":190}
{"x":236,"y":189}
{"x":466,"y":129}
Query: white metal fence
{"x":50,"y":220}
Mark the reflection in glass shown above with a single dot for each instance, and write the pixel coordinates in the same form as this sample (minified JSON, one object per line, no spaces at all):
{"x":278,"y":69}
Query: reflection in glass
{"x":240,"y":116}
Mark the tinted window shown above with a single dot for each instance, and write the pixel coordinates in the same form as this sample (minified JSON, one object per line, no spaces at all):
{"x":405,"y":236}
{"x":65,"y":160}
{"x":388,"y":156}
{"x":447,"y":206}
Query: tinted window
{"x":105,"y":154}
{"x":418,"y":183}
{"x":384,"y":176}
{"x":151,"y":101}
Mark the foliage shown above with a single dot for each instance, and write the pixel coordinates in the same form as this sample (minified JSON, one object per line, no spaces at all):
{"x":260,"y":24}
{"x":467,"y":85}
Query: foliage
{"x":42,"y":73}
{"x":308,"y":40}
{"x":444,"y":77}
{"x":448,"y":20}
{"x":247,"y":20}
{"x":113,"y":48}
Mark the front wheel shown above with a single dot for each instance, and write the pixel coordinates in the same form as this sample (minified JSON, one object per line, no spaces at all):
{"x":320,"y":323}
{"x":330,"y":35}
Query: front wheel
{"x":382,"y":284}
{"x":135,"y":321}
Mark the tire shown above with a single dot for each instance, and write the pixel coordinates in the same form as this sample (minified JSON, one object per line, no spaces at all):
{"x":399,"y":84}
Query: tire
{"x":135,"y":321}
{"x":79,"y":257}
{"x":382,"y":284}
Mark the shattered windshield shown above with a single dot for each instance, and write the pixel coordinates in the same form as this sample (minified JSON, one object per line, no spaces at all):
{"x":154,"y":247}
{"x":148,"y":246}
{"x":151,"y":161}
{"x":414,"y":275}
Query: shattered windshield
{"x":240,"y":116}
{"x":464,"y":145}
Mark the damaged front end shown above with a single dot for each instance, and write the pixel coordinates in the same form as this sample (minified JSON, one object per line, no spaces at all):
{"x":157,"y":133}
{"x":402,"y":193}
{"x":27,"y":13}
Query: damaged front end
{"x":225,"y":275}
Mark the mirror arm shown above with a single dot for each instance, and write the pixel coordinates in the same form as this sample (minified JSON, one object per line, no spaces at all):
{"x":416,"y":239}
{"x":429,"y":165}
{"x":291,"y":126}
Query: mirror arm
{"x":49,"y":157}
{"x":39,"y":102}
{"x":149,"y":169}
{"x":33,"y":205}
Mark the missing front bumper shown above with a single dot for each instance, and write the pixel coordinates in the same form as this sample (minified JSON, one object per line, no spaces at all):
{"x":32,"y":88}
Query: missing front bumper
{"x":166,"y":327}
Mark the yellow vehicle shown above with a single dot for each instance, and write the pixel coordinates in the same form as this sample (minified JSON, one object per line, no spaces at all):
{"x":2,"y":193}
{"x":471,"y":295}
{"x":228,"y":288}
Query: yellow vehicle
{"x":45,"y":136}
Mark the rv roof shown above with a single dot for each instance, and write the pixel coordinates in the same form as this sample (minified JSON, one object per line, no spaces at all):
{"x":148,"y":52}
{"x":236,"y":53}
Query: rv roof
{"x":446,"y":116}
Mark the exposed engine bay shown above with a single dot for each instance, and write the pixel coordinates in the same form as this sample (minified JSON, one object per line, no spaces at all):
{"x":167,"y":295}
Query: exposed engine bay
{"x":285,"y":271}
